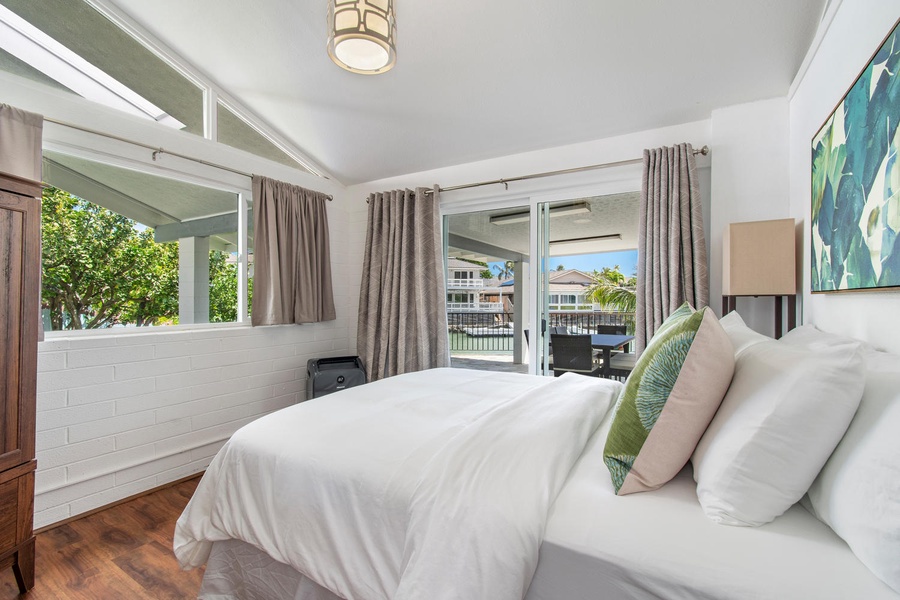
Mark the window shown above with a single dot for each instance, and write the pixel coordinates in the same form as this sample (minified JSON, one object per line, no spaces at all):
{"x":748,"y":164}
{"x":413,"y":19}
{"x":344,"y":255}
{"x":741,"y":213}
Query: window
{"x":11,"y":64}
{"x":460,"y":298}
{"x":81,"y":50}
{"x":94,"y":53}
{"x":124,"y":248}
{"x":235,"y":132}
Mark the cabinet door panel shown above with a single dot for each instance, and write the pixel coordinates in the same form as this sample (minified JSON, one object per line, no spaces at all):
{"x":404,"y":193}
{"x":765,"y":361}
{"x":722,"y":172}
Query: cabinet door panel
{"x":18,"y":314}
{"x":11,"y":275}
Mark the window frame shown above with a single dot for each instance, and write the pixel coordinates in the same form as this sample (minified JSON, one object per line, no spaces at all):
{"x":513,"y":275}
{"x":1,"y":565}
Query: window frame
{"x":212,"y":93}
{"x":118,"y":153}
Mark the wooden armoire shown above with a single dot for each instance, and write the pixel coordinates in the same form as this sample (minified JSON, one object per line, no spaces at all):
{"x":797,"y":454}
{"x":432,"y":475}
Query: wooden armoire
{"x":20,"y":264}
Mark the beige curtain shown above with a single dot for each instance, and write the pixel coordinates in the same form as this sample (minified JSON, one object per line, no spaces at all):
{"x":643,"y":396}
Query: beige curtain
{"x":291,"y":259}
{"x":20,"y":155}
{"x":402,"y":314}
{"x":672,"y":264}
{"x":20,"y":142}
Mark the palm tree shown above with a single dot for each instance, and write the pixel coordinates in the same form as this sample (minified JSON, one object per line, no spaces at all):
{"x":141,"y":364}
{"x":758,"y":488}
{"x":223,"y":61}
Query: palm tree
{"x":612,"y":290}
{"x":507,"y":270}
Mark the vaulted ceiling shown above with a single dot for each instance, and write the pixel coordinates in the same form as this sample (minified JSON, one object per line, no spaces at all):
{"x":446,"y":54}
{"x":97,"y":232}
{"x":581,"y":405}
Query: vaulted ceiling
{"x":478,"y":79}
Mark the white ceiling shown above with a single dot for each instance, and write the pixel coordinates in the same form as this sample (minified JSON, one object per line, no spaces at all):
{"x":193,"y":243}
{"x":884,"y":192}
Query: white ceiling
{"x":478,"y":79}
{"x":608,"y":215}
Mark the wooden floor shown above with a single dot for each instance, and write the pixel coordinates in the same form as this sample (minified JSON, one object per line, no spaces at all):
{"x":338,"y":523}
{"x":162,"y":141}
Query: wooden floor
{"x":124,"y":552}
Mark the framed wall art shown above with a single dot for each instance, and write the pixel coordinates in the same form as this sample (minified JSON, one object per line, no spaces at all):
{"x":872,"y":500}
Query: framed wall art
{"x":855,"y":212}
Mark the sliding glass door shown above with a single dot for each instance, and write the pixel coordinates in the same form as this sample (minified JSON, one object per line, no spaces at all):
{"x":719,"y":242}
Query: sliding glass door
{"x":487,"y":278}
{"x":586,"y":251}
{"x":519,"y":270}
{"x":543,"y":244}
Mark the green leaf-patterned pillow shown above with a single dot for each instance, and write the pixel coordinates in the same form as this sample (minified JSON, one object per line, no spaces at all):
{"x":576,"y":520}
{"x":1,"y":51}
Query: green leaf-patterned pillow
{"x":669,"y":400}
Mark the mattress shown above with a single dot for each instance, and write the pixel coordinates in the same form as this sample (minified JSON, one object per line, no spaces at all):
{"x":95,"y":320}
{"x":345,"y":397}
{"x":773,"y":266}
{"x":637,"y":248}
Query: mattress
{"x":660,"y":544}
{"x":642,"y":546}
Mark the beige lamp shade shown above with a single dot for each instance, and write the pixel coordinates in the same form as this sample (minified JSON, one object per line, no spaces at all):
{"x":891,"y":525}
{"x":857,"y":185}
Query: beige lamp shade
{"x":759,"y":259}
{"x":362,"y":34}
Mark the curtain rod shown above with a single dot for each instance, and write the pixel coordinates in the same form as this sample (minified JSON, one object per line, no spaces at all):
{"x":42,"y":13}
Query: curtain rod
{"x":156,"y":151}
{"x":704,"y":151}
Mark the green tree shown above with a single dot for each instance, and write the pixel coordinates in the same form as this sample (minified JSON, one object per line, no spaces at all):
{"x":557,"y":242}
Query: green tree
{"x":612,"y":289}
{"x":152,"y":296}
{"x":506,"y":270}
{"x":223,"y":288}
{"x":99,"y":270}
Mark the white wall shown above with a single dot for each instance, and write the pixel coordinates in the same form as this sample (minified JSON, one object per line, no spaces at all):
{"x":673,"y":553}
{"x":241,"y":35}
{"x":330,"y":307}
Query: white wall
{"x":750,"y":182}
{"x":846,"y":47}
{"x":120,"y":414}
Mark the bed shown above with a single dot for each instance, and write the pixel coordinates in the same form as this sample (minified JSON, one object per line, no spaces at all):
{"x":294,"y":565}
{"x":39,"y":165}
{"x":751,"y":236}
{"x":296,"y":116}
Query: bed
{"x":440,"y":479}
{"x":574,"y":538}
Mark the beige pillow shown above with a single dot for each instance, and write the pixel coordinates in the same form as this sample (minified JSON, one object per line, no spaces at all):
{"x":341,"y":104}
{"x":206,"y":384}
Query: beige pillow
{"x":671,"y":396}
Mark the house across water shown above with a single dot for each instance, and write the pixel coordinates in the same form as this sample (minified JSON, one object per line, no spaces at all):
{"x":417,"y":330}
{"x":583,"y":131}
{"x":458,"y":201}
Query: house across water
{"x":481,"y":313}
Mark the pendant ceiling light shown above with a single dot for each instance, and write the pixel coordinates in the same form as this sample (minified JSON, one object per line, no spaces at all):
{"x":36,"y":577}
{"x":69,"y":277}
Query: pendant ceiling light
{"x":361,"y":35}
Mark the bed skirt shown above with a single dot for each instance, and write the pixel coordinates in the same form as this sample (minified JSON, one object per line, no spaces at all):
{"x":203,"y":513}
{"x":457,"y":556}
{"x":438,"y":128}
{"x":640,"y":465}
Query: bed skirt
{"x":238,"y":570}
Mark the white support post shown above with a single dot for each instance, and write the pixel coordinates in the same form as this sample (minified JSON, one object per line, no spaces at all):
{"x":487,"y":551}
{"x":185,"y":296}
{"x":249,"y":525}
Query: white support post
{"x":193,"y":280}
{"x":243,"y":307}
{"x":518,"y":311}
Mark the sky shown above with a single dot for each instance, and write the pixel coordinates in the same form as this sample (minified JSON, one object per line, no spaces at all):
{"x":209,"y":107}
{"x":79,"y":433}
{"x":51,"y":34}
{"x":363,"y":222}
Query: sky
{"x":626,"y":259}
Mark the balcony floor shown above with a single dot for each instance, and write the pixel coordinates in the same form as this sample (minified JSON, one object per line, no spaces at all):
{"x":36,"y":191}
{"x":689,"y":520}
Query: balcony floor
{"x":487,"y":362}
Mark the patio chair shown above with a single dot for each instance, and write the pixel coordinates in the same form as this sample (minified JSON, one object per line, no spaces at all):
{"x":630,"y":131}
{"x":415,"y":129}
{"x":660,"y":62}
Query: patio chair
{"x":573,"y":353}
{"x":621,"y":365}
{"x":611,"y":329}
{"x":615,"y":330}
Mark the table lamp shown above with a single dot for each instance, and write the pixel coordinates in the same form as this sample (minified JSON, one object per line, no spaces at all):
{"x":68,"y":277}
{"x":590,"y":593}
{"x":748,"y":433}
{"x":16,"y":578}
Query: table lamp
{"x":759,"y":260}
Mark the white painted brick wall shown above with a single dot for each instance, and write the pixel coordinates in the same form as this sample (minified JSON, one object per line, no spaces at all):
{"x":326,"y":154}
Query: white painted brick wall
{"x":121,"y":413}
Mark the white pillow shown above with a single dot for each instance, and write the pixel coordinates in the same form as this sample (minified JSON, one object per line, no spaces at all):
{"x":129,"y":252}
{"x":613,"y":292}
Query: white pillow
{"x":813,"y":338}
{"x":741,"y":336}
{"x":857,"y":493}
{"x":784,"y":413}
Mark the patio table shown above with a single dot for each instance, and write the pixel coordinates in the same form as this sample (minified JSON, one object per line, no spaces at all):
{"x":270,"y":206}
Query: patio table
{"x":608,"y":342}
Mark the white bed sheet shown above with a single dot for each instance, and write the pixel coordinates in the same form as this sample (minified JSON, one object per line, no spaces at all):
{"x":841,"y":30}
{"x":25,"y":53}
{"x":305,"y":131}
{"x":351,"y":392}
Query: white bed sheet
{"x":660,"y":545}
{"x":644,"y":546}
{"x":438,"y":481}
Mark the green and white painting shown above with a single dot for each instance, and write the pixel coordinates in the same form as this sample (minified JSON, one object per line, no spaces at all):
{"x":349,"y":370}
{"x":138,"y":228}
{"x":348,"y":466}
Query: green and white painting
{"x":856,"y":182}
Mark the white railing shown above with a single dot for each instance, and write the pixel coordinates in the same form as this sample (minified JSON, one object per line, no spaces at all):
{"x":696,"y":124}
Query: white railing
{"x":465,"y":283}
{"x":475,"y":306}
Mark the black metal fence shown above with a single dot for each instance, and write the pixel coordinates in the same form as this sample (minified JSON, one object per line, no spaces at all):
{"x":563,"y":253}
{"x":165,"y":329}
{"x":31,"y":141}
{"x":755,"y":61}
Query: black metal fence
{"x":480,"y":331}
{"x":581,"y":322}
{"x":493,"y":331}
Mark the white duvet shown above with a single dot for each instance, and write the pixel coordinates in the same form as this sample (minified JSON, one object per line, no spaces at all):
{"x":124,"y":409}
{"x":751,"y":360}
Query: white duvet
{"x":429,"y":485}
